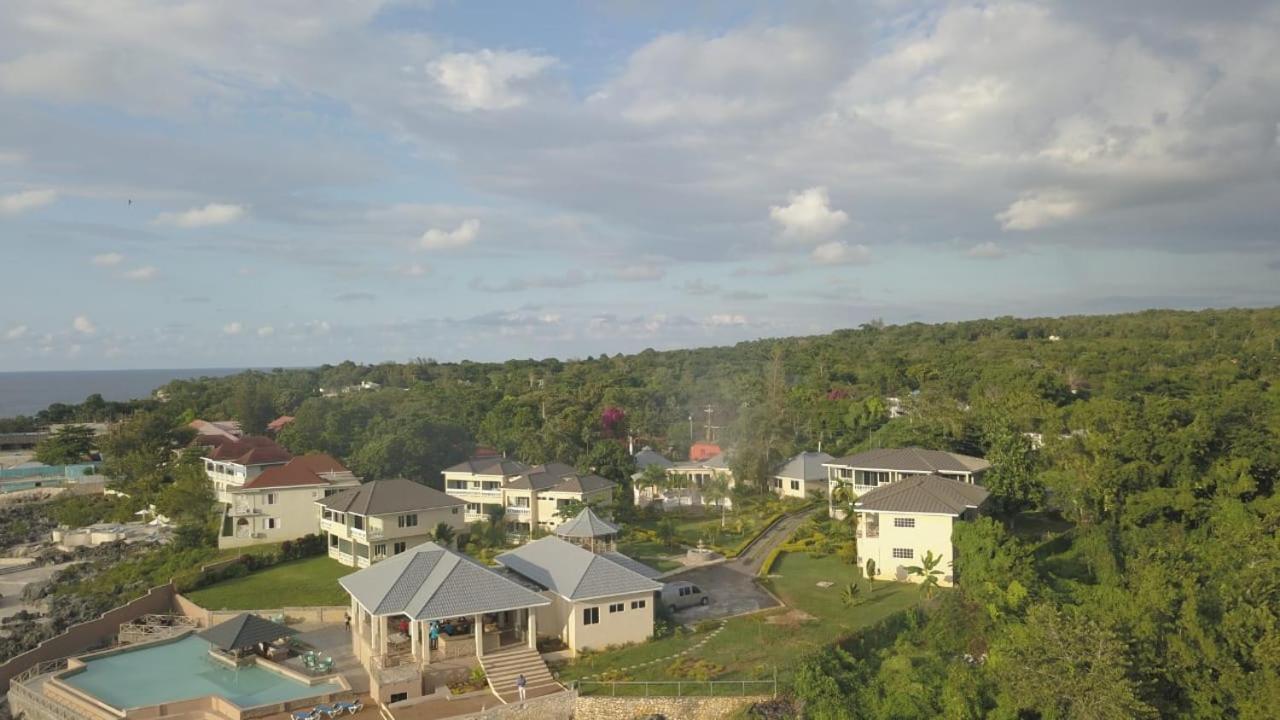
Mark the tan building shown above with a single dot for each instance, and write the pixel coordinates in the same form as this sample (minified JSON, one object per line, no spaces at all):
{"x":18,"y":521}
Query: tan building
{"x":279,"y":503}
{"x":383,"y":518}
{"x":479,"y":482}
{"x":535,"y":497}
{"x":899,"y":523}
{"x":868,"y":470}
{"x":481,"y":618}
{"x":686,"y":480}
{"x":597,"y":599}
{"x":802,"y":475}
{"x":232,"y":462}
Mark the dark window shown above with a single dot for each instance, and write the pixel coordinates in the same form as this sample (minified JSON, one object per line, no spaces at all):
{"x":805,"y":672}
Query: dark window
{"x":408,"y":520}
{"x":397,"y":548}
{"x":591,"y":616}
{"x":616,"y":607}
{"x":904,"y":522}
{"x":397,"y":697}
{"x":903,"y":553}
{"x":637,"y":604}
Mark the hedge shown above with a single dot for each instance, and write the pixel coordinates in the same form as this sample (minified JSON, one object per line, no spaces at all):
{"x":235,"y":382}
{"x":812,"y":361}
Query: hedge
{"x":736,"y":550}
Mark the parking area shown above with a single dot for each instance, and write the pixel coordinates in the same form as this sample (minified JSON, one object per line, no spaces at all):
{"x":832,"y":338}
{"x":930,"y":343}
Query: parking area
{"x":731,"y":591}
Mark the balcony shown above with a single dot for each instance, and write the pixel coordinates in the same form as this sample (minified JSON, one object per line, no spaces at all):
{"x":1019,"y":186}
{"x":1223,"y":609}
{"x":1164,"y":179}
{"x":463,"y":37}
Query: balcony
{"x":332,"y":526}
{"x":367,"y":533}
{"x":520,"y":510}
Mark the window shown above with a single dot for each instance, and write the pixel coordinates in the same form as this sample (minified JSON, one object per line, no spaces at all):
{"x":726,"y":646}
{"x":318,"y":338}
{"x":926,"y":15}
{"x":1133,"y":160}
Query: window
{"x":333,"y":541}
{"x":522,"y":502}
{"x":637,"y":604}
{"x":357,"y":522}
{"x":397,"y":697}
{"x":904,"y":522}
{"x":591,"y":616}
{"x":408,"y":520}
{"x":616,"y":607}
{"x":455,"y":511}
{"x":380,"y":549}
{"x":457,"y":485}
{"x":273,"y":524}
{"x":903,"y":553}
{"x":845,"y":473}
{"x":397,"y":548}
{"x":330,"y":491}
{"x":473,"y":508}
{"x":795,"y":484}
{"x":271,"y":498}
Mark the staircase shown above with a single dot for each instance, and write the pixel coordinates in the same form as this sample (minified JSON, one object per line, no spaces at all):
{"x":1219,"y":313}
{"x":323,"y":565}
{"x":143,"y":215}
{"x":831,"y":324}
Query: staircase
{"x":502,"y":667}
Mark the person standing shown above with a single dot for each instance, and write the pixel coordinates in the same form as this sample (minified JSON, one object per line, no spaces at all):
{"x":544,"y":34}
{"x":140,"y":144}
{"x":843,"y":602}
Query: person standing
{"x":434,"y":635}
{"x":520,"y":683}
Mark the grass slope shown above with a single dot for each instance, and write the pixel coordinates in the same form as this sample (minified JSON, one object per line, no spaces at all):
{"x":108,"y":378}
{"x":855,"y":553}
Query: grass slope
{"x":298,"y":583}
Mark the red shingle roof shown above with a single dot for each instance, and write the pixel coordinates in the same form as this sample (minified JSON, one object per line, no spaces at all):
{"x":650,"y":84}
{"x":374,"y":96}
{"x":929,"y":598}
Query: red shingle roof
{"x":292,"y":473}
{"x":252,"y":450}
{"x":280,"y":422}
{"x":320,"y":463}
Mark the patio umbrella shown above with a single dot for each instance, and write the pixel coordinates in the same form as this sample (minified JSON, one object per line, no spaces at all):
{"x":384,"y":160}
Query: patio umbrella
{"x":244,"y":632}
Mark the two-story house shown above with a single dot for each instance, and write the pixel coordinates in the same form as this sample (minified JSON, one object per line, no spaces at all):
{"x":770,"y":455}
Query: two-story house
{"x":863,"y":472}
{"x":535,"y":497}
{"x":232,"y":463}
{"x":383,"y":518}
{"x":901,"y":522}
{"x":801,"y":475}
{"x":480,"y":481}
{"x":686,"y":480}
{"x":279,"y":503}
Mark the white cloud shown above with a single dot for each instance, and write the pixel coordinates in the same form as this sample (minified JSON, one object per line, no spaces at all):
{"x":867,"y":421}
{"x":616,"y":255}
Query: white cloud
{"x":988,"y":249}
{"x":15,"y":332}
{"x":108,"y":259}
{"x":211,"y":214}
{"x":463,"y":235}
{"x":142,"y":274}
{"x":1039,"y":208}
{"x":642,"y":272}
{"x":266,"y":331}
{"x":21,"y":202}
{"x":839,"y":252}
{"x":809,"y":215}
{"x":487,"y":80}
{"x":416,"y":270}
{"x":723,"y":319}
{"x":83,"y":325}
{"x":232,"y":328}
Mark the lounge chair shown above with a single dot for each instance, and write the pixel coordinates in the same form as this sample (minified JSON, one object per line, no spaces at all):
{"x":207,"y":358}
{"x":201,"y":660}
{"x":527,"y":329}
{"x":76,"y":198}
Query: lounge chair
{"x":329,"y":710}
{"x":351,"y":707}
{"x":304,"y":715}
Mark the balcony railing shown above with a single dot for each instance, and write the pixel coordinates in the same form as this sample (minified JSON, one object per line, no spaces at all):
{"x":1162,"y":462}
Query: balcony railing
{"x":518,"y":509}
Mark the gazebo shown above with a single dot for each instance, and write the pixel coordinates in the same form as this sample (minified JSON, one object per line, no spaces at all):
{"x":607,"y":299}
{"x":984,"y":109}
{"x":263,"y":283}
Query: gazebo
{"x":244,"y":633}
{"x":589,"y":530}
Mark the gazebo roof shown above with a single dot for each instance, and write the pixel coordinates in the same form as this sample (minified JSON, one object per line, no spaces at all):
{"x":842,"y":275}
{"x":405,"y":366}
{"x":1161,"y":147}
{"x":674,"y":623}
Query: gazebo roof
{"x":245,"y":631}
{"x":587,"y":524}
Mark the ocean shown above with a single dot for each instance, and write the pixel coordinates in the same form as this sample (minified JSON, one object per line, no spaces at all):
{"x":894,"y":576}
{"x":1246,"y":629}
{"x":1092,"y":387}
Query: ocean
{"x":26,"y":393}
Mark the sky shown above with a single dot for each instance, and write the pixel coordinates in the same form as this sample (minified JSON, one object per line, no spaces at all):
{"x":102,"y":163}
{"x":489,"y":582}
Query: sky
{"x":224,"y":183}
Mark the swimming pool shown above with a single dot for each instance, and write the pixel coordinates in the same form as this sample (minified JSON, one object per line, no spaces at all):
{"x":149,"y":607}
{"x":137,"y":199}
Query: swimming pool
{"x":182,"y":670}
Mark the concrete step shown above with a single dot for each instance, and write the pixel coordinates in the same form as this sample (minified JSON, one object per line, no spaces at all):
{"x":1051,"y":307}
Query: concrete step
{"x":503,"y":667}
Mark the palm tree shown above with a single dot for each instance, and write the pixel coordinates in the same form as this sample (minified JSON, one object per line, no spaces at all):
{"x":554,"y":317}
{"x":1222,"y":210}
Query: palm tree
{"x":666,"y":532}
{"x":928,"y":573}
{"x":716,"y":490}
{"x":444,"y":533}
{"x":871,"y":574}
{"x":852,"y":595}
{"x":844,"y":496}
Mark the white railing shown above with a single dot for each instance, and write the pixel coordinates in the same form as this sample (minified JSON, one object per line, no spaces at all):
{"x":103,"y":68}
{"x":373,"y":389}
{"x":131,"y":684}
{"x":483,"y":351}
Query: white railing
{"x":518,"y":510}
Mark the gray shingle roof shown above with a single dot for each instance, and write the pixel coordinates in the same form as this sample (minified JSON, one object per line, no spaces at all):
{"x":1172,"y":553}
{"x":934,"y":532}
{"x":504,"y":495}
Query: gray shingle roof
{"x":633,"y":565}
{"x":574,"y":573}
{"x":923,"y":494}
{"x":719,"y":461}
{"x":913,"y":460}
{"x":245,"y":631}
{"x":489,"y":465}
{"x":558,"y":477}
{"x":805,"y":466}
{"x":429,"y":582}
{"x":586,"y":524}
{"x":648,"y":456}
{"x":381,"y":497}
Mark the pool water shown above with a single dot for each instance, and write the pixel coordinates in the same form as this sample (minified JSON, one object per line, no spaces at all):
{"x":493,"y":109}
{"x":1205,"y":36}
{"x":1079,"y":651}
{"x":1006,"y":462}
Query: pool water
{"x":183,"y":670}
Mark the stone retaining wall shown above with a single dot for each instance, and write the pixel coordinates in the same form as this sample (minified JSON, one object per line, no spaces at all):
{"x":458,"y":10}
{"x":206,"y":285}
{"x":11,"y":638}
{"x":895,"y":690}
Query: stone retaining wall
{"x":672,"y":708}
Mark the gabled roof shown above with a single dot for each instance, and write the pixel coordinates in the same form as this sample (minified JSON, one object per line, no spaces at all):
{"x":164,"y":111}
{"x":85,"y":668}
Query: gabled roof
{"x":913,"y":460}
{"x":383,"y":497}
{"x":225,"y":428}
{"x":632,"y":564}
{"x":574,"y":573}
{"x":251,"y":450}
{"x":648,"y":456}
{"x":558,"y":477}
{"x":430,"y":582}
{"x":302,"y":470}
{"x":923,"y":494}
{"x":586,"y":525}
{"x":245,"y":631}
{"x":716,"y":462}
{"x":489,"y":465}
{"x":805,"y":466}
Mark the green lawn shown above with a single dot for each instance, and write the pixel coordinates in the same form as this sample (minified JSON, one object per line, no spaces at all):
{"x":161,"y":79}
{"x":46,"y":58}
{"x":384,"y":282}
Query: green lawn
{"x":298,"y":583}
{"x":751,"y":647}
{"x":693,"y":525}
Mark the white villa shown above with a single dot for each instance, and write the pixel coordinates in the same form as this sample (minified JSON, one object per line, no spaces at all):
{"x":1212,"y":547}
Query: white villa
{"x":384,"y":518}
{"x":530,"y":496}
{"x":480,"y":481}
{"x":868,"y":470}
{"x":686,"y":480}
{"x":899,"y":523}
{"x":279,"y":502}
{"x":232,"y":462}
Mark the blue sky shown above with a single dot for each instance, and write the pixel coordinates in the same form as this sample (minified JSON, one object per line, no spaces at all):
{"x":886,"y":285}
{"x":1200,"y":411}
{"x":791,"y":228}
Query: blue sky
{"x":208,"y":184}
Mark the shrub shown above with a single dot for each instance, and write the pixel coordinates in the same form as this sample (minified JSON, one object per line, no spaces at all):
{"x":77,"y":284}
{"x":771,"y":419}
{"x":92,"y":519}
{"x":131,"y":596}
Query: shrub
{"x":694,"y":669}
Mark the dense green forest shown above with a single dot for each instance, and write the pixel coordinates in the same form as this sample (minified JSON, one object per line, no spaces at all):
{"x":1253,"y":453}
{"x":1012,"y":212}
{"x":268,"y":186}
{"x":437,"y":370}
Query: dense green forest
{"x":1159,"y":434}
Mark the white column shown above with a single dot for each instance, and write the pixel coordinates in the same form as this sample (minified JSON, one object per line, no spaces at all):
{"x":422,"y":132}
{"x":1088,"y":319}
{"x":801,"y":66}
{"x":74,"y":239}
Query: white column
{"x":477,"y":628}
{"x":414,"y":625}
{"x":533,"y":629}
